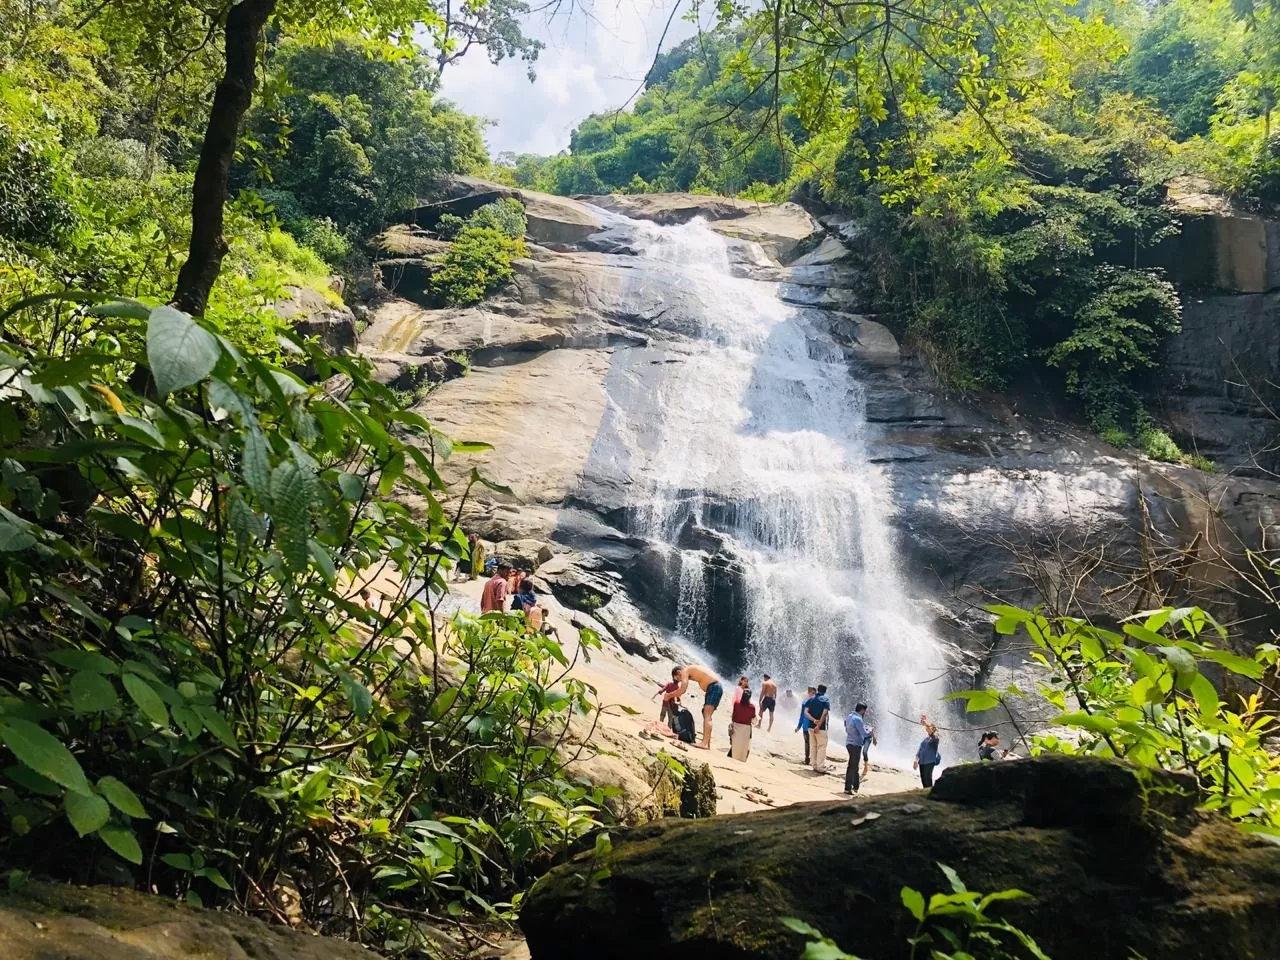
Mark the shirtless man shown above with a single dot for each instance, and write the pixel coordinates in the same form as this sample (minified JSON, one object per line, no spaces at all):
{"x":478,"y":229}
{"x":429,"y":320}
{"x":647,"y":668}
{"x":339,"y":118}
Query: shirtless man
{"x":712,"y":691}
{"x":768,"y":699}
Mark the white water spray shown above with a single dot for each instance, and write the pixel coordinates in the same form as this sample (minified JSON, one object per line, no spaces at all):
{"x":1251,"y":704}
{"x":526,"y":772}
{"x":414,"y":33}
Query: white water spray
{"x":752,"y":423}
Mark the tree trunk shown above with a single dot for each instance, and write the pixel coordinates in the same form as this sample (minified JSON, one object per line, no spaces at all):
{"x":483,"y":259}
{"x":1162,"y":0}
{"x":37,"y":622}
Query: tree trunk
{"x":231,"y":101}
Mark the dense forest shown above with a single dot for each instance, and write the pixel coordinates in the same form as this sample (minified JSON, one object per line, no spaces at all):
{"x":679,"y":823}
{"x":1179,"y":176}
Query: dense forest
{"x":1011,"y":219}
{"x":194,"y":697}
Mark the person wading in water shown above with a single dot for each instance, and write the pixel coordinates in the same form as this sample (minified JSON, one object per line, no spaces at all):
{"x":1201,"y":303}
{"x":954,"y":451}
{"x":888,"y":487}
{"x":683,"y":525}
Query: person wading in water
{"x":712,"y":692}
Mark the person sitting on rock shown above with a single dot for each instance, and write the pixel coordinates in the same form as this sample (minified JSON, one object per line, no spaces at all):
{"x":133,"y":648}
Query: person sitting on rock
{"x":989,"y":747}
{"x":768,"y":700}
{"x":525,"y":598}
{"x":494,"y":595}
{"x":712,"y":692}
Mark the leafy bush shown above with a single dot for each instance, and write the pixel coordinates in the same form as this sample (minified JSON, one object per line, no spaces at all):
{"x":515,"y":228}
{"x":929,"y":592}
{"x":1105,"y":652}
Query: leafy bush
{"x":1141,"y":693}
{"x":323,"y":236}
{"x":949,"y":926}
{"x":478,"y":263}
{"x":449,"y":225}
{"x":1158,"y":445}
{"x":34,"y":201}
{"x":507,"y":216}
{"x":193,"y":695}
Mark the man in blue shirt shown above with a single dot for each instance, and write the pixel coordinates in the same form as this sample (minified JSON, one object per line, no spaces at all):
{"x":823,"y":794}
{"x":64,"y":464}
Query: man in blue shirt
{"x":803,"y":726}
{"x":817,"y":710}
{"x":855,"y":735}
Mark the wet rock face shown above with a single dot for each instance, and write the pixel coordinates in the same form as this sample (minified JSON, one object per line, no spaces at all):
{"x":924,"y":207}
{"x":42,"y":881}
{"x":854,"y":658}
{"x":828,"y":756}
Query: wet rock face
{"x":1115,"y":869}
{"x":588,"y":332}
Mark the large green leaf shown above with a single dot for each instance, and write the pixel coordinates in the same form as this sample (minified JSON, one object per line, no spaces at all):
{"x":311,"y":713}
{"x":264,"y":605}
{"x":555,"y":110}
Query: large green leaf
{"x":179,"y":350}
{"x":122,"y":798}
{"x":292,"y":491}
{"x":148,"y":701}
{"x":357,"y":693}
{"x":92,"y":693}
{"x":82,"y":660}
{"x":86,"y":811}
{"x":256,"y":465}
{"x":123,"y":842}
{"x":217,"y":724}
{"x":43,"y":753}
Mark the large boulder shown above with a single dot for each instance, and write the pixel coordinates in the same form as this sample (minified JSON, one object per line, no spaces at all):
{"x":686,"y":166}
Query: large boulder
{"x":42,"y":922}
{"x":1117,"y":863}
{"x":783,"y":230}
{"x":552,"y":219}
{"x":669,"y":208}
{"x":1218,"y":247}
{"x":313,"y":314}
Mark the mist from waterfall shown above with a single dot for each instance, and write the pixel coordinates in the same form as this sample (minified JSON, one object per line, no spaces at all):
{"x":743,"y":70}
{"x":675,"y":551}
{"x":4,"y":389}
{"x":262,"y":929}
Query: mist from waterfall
{"x":752,"y":423}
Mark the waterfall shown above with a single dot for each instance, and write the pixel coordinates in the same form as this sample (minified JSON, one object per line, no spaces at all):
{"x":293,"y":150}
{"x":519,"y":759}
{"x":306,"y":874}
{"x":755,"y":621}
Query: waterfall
{"x":745,"y":418}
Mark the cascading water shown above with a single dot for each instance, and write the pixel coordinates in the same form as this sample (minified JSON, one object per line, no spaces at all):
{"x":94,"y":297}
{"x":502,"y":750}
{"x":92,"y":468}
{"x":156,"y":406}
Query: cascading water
{"x":751,"y":424}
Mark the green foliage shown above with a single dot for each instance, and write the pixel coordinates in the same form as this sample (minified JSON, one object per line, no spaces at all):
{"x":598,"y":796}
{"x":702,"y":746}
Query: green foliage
{"x":505,"y":216}
{"x":350,"y":130}
{"x":479,"y":261}
{"x":192,"y":694}
{"x":1144,"y":693}
{"x":1158,"y":445}
{"x":949,"y":926}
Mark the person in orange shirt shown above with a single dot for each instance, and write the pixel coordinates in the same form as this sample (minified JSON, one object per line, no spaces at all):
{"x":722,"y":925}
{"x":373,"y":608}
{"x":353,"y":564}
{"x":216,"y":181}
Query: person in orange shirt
{"x":494,"y":595}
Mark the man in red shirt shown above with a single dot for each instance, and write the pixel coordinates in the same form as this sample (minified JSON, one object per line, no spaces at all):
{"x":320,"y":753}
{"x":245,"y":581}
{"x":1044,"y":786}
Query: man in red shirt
{"x":494,"y":594}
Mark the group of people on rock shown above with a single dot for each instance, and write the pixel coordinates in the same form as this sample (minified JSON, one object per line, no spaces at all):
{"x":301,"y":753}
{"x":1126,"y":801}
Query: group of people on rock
{"x":814,"y":720}
{"x":507,"y":581}
{"x":813,"y":724}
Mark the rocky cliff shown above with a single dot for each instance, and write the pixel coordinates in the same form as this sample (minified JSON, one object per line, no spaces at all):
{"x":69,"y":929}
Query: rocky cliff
{"x":986,"y":505}
{"x":1221,"y":386}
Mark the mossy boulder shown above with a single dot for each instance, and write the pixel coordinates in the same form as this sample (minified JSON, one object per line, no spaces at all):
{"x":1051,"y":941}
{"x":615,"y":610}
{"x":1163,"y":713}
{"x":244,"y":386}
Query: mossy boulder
{"x":43,"y":921}
{"x":1117,"y":860}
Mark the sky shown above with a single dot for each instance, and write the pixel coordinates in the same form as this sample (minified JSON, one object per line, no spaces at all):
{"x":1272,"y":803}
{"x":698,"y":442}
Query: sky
{"x":592,"y":61}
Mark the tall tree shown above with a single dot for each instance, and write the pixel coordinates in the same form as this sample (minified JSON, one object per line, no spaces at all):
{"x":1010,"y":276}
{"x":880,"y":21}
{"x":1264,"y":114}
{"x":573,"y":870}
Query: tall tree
{"x":241,"y":25}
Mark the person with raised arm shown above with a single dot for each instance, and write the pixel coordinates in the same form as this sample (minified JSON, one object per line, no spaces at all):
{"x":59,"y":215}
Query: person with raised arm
{"x":928,"y":756}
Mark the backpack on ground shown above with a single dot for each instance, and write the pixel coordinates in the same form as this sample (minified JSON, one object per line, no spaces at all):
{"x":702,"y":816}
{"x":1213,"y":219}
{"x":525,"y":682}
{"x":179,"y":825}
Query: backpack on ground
{"x":685,"y":730}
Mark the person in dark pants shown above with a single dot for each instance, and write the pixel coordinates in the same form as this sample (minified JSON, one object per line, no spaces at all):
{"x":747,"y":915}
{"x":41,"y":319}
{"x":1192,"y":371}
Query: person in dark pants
{"x":855,"y":735}
{"x":802,"y":727}
{"x":927,"y":754}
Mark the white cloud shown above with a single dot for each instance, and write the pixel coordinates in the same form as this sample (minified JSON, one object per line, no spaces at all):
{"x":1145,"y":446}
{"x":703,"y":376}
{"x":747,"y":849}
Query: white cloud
{"x":592,"y":61}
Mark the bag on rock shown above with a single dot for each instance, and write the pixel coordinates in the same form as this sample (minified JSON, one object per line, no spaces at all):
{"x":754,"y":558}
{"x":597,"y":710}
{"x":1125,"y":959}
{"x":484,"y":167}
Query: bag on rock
{"x":685,"y":729}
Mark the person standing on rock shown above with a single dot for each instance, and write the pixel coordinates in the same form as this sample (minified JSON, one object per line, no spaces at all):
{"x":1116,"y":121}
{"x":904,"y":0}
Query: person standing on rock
{"x":928,"y":756}
{"x":744,"y":712}
{"x":818,"y":710}
{"x":855,"y":735}
{"x":670,"y":699}
{"x":768,"y":700}
{"x":712,"y":693}
{"x":744,"y":686}
{"x":494,"y":595}
{"x":477,"y":556}
{"x":802,"y":726}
